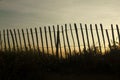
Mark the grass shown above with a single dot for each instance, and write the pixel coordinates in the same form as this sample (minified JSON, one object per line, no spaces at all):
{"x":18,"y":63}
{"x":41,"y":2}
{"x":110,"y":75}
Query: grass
{"x":29,"y":65}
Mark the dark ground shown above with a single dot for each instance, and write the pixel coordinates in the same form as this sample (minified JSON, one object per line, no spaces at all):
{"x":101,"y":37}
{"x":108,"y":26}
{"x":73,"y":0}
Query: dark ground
{"x":29,"y":66}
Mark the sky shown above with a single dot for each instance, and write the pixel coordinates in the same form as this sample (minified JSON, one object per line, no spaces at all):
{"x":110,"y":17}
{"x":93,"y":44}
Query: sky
{"x":17,"y":14}
{"x":32,"y":13}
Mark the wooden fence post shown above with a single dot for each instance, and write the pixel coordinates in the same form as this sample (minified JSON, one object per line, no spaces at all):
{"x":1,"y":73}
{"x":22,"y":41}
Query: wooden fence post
{"x":87,"y":37}
{"x":4,"y":35}
{"x":72,"y":36}
{"x":29,"y":44}
{"x":37,"y":40}
{"x":41,"y":40}
{"x":19,"y":39}
{"x":67,"y":39}
{"x":108,"y":39}
{"x":0,"y":42}
{"x":64,"y":41}
{"x":118,"y":33}
{"x":114,"y":45}
{"x":77,"y":37}
{"x":103,"y":37}
{"x":8,"y":40}
{"x":46,"y":41}
{"x":83,"y":37}
{"x":57,"y":43}
{"x":60,"y":47}
{"x":24,"y":40}
{"x":12,"y":40}
{"x":32,"y":39}
{"x":60,"y":43}
{"x":92,"y":38}
{"x":54,"y":35}
{"x":98,"y":38}
{"x":51,"y":40}
{"x":16,"y":39}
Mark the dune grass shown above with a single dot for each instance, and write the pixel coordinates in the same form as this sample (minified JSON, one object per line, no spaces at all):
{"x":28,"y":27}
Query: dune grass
{"x":29,"y":65}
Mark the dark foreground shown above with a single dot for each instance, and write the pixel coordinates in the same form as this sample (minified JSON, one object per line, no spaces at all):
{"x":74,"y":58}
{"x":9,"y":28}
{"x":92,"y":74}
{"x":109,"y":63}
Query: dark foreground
{"x":29,"y":66}
{"x":82,"y":77}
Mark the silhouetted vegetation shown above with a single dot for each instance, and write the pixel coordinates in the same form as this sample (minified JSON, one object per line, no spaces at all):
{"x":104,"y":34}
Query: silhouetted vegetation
{"x":29,"y":65}
{"x":29,"y":61}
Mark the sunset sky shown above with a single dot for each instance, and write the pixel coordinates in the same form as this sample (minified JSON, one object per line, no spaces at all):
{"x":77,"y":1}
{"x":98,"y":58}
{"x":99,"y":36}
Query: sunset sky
{"x":30,"y":13}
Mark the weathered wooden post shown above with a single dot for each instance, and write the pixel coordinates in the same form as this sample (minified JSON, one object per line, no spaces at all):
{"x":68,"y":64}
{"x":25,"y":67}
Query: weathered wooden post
{"x":41,"y":40}
{"x":67,"y":39}
{"x":51,"y":40}
{"x":92,"y":38}
{"x":16,"y":39}
{"x":60,"y":48}
{"x":118,"y":33}
{"x":9,"y":48}
{"x":37,"y":40}
{"x":72,"y":36}
{"x":12,"y":40}
{"x":0,"y":42}
{"x":87,"y":37}
{"x":114,"y":45}
{"x":64,"y":42}
{"x":46,"y":40}
{"x":19,"y":36}
{"x":108,"y":39}
{"x":103,"y":37}
{"x":24,"y":40}
{"x":32,"y":39}
{"x":83,"y":37}
{"x":29,"y":44}
{"x":98,"y":38}
{"x":57,"y":43}
{"x":54,"y":35}
{"x":4,"y":35}
{"x":77,"y":37}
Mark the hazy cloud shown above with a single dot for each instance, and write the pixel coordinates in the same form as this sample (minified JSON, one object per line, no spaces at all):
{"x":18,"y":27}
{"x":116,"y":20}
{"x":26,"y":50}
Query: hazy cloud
{"x":58,"y":11}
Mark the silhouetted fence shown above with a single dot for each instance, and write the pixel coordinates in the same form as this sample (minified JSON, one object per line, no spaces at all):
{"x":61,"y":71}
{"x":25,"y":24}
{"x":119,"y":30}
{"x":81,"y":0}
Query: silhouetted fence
{"x":64,"y":40}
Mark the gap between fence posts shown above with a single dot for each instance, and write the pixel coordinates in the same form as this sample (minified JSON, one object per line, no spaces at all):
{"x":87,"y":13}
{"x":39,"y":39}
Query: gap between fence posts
{"x":77,"y":37}
{"x":9,"y":47}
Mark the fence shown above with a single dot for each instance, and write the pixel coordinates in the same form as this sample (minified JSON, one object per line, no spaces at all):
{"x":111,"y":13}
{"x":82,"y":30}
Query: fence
{"x":60,"y":40}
